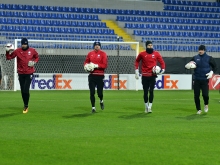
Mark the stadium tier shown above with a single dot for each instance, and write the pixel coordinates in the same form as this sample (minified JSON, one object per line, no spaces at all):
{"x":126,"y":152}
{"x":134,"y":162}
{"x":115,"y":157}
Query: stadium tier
{"x":190,"y":21}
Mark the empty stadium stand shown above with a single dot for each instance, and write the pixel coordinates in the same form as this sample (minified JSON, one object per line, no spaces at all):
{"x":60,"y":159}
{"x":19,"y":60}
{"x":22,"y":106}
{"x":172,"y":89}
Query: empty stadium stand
{"x":184,"y":24}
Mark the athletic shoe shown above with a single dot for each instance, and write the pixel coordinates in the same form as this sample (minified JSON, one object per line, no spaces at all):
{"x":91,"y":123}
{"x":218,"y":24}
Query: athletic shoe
{"x":199,"y":112}
{"x":25,"y":110}
{"x":206,"y":108}
{"x":93,"y":111}
{"x":149,"y":110}
{"x":146,"y":110}
{"x":102,"y":105}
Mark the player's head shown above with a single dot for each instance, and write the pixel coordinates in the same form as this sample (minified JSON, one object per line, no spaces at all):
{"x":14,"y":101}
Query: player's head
{"x":202,"y":49}
{"x":97,"y":45}
{"x":24,"y":43}
{"x":149,"y":47}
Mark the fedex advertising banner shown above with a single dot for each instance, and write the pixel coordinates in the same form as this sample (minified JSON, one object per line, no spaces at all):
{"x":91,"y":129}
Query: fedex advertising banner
{"x":42,"y":81}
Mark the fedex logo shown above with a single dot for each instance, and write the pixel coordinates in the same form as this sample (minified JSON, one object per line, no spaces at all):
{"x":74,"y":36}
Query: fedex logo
{"x":166,"y":83}
{"x":56,"y":82}
{"x":112,"y":83}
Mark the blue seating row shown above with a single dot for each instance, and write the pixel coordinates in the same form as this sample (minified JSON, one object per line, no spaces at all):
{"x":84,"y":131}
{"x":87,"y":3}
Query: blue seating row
{"x":48,"y":22}
{"x":171,"y":27}
{"x":184,"y":48}
{"x":192,"y":9}
{"x":44,"y":29}
{"x":24,"y":12}
{"x":176,"y":34}
{"x":191,"y":3}
{"x":46,"y":15}
{"x":57,"y":35}
{"x":66,"y":38}
{"x":189,"y":41}
{"x":167,"y":20}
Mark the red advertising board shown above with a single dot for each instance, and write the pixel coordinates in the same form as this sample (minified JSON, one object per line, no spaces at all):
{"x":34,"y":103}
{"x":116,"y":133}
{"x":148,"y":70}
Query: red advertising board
{"x":214,"y":82}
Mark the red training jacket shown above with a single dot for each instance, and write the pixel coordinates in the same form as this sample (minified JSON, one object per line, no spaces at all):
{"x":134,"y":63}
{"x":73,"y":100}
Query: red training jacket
{"x":23,"y":57}
{"x":148,"y":62}
{"x":97,"y":57}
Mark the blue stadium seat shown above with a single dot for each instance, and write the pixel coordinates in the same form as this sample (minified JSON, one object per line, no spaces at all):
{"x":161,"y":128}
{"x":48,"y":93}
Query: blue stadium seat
{"x":20,"y":7}
{"x":29,"y":29}
{"x":57,"y":8}
{"x":23,"y":28}
{"x":2,"y":6}
{"x":33,"y":8}
{"x":59,"y":16}
{"x":17,"y":28}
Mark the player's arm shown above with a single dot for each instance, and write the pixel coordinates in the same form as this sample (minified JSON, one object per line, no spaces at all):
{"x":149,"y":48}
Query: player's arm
{"x":87,"y":66}
{"x":104,"y":62}
{"x":34,"y":60}
{"x":35,"y":56}
{"x":10,"y":51}
{"x":87,"y":60}
{"x":161,"y":61}
{"x":136,"y":65}
{"x":213,"y":64}
{"x":10,"y":55}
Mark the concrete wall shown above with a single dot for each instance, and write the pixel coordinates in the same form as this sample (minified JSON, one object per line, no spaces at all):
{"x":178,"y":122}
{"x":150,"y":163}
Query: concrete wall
{"x":110,"y":4}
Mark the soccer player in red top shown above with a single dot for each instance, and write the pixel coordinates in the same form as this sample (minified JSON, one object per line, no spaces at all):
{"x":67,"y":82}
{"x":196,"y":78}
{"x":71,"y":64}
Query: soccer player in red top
{"x":96,"y":62}
{"x":26,"y":59}
{"x":149,"y":59}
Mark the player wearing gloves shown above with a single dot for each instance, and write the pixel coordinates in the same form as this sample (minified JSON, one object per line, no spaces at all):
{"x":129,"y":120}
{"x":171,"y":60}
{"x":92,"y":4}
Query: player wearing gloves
{"x":205,"y":66}
{"x":96,"y":63}
{"x":149,"y":59}
{"x":26,"y":59}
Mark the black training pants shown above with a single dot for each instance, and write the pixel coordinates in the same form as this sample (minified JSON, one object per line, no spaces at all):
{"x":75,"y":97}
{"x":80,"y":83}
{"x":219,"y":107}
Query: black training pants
{"x":25,"y":82}
{"x":95,"y":81}
{"x":204,"y":86}
{"x":148,"y":84}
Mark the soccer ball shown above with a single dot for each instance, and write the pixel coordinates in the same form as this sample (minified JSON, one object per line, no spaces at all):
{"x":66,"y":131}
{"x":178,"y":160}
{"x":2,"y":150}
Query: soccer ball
{"x":156,"y":69}
{"x":192,"y":64}
{"x":9,"y":47}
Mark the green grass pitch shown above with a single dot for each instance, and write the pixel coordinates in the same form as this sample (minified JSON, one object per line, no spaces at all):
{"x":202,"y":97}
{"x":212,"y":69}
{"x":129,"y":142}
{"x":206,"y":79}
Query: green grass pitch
{"x":59,"y":129}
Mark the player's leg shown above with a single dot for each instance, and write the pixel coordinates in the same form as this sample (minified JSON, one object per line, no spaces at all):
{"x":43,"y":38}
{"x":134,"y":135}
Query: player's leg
{"x":26,"y":91}
{"x":146,"y":85}
{"x":21,"y":79}
{"x":196,"y":86}
{"x":151,"y":92}
{"x":205,"y":94}
{"x":92,"y":84}
{"x":5,"y":77}
{"x":100,"y":85}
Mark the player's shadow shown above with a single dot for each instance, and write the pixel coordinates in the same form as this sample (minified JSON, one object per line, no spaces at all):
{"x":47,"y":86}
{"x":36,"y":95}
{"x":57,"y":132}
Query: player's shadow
{"x":194,"y":117}
{"x":77,"y":115}
{"x":134,"y":116}
{"x":17,"y":112}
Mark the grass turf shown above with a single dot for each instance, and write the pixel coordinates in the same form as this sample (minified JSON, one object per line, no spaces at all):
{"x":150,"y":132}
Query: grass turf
{"x":60,"y":129}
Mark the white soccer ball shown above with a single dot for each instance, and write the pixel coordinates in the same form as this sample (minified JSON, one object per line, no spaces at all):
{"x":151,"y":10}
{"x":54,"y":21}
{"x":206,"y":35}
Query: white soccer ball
{"x":192,"y":65}
{"x":156,"y":69}
{"x":9,"y":47}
